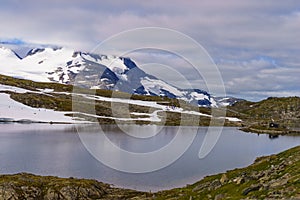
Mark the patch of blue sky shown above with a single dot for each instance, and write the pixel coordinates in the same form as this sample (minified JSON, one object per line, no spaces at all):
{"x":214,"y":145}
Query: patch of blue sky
{"x":13,"y":41}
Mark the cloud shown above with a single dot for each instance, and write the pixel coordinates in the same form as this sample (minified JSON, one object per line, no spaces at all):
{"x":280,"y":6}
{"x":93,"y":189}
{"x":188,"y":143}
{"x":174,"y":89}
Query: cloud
{"x":254,"y":43}
{"x":262,"y":78}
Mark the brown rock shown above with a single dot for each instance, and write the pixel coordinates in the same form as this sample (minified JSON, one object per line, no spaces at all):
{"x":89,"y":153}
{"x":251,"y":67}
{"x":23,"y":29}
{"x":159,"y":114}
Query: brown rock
{"x":7,"y":192}
{"x":239,"y":180}
{"x":215,"y":185}
{"x":251,"y":188}
{"x":220,"y":197}
{"x":224,"y":179}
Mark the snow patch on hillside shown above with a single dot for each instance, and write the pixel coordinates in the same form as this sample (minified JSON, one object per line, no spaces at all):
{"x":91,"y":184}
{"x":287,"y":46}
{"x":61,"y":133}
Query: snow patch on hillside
{"x":11,"y":110}
{"x":18,"y":111}
{"x":154,"y":86}
{"x":13,"y":89}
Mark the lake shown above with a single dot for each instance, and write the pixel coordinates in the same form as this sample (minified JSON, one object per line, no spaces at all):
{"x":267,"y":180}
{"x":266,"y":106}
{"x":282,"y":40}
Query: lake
{"x":58,"y":150}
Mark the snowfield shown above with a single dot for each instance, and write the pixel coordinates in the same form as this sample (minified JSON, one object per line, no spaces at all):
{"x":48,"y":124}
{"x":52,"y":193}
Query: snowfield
{"x":11,"y":110}
{"x":37,"y":66}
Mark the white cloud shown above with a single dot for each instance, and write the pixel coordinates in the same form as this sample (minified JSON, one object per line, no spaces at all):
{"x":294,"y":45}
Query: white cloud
{"x":237,"y":34}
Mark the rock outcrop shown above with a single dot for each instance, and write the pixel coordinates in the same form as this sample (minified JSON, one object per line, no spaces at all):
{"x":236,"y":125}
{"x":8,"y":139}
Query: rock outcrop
{"x":28,"y":186}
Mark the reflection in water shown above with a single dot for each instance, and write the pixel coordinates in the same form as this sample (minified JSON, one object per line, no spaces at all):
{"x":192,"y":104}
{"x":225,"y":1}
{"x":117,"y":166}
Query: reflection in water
{"x":273,"y":136}
{"x":133,"y":161}
{"x":57,"y":150}
{"x":120,"y":137}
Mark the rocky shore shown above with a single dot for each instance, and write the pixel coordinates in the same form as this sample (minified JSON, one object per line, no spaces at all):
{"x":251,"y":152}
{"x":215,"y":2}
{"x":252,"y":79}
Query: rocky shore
{"x":270,"y":131}
{"x":29,"y":186}
{"x":270,"y":177}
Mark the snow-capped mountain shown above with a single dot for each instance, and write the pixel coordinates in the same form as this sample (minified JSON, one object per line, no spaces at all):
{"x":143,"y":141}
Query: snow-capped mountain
{"x":226,"y":101}
{"x":67,"y":66}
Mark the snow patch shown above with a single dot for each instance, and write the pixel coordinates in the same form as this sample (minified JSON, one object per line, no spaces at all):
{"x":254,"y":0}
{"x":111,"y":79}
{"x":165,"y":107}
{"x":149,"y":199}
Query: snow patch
{"x":115,"y":64}
{"x":154,"y":86}
{"x":13,"y":89}
{"x":233,"y":119}
{"x":18,"y":111}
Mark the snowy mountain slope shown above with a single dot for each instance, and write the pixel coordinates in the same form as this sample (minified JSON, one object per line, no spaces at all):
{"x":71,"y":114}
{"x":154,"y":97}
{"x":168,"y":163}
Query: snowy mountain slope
{"x":39,"y":64}
{"x":25,"y":109}
{"x":227,"y":101}
{"x":67,"y":66}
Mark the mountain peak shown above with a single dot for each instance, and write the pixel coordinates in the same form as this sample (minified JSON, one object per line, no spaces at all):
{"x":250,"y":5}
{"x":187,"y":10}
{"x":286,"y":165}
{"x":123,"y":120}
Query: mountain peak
{"x":34,"y":51}
{"x":96,"y":71}
{"x":6,"y":52}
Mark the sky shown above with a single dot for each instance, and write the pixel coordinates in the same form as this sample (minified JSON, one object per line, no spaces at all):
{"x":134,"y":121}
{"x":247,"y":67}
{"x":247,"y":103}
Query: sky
{"x":255,"y":44}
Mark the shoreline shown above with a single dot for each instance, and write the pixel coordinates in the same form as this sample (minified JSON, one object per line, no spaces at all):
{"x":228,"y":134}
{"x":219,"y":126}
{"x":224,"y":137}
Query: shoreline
{"x":273,"y":132}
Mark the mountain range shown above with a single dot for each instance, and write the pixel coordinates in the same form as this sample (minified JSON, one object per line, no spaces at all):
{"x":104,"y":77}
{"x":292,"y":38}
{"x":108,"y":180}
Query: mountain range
{"x":88,"y":70}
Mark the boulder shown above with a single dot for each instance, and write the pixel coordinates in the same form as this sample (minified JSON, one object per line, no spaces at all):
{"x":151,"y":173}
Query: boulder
{"x":224,"y":179}
{"x":251,"y":188}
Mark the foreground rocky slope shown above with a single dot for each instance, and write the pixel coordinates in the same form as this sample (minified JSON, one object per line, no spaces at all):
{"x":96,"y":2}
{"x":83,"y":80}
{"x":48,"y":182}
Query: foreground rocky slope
{"x":28,"y":186}
{"x":270,"y":177}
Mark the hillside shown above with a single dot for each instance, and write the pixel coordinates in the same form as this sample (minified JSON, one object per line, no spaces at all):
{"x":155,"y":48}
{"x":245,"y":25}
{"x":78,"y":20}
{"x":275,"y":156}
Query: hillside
{"x":145,"y":109}
{"x":270,"y":177}
{"x":93,"y":105}
{"x":284,"y":112}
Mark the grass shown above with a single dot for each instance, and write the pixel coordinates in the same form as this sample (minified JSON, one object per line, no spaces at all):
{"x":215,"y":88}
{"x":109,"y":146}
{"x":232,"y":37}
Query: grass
{"x":285,"y":108}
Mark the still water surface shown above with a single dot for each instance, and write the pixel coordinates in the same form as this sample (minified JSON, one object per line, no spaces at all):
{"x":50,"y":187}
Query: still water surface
{"x":57,"y":150}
